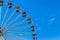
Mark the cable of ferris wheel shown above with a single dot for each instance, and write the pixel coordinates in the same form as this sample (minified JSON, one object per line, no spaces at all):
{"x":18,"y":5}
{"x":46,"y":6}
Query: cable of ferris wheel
{"x":14,"y":19}
{"x":9,"y":17}
{"x":4,"y":16}
{"x":23,"y":21}
{"x":0,"y":13}
{"x":19,"y":28}
{"x":16,"y":23}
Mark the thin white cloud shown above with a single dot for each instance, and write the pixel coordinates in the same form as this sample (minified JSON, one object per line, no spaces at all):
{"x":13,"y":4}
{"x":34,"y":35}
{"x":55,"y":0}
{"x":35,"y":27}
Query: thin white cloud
{"x":51,"y":20}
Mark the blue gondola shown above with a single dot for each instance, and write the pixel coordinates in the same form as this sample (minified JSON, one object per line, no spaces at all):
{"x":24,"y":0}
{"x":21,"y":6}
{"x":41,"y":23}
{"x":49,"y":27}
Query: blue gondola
{"x":9,"y":5}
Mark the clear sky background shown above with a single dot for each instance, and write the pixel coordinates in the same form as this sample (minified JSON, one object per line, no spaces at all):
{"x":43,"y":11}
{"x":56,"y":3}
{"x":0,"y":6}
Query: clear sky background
{"x":45,"y":15}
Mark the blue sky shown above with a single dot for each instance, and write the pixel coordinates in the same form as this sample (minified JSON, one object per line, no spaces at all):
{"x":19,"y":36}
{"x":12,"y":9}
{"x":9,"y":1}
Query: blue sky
{"x":45,"y":15}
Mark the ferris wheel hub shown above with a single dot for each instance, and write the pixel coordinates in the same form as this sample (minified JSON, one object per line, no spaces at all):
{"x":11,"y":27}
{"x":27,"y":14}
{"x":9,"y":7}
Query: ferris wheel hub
{"x":1,"y":34}
{"x":1,"y":30}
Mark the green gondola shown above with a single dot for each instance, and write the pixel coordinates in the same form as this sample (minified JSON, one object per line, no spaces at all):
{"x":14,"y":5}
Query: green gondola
{"x":1,"y":3}
{"x":17,"y":7}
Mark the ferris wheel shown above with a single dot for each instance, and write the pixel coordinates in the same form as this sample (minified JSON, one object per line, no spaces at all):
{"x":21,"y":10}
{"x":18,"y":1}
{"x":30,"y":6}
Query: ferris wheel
{"x":15,"y":23}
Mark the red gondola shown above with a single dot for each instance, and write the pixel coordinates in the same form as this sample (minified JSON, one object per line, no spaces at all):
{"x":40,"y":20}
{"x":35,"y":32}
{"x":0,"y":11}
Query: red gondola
{"x":24,"y":14}
{"x":17,"y":10}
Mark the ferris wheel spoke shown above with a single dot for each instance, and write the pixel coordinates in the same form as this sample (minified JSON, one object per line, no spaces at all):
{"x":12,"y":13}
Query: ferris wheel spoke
{"x":14,"y":19}
{"x":9,"y":18}
{"x":19,"y":32}
{"x":15,"y":24}
{"x":19,"y":23}
{"x":4,"y":16}
{"x":0,"y":13}
{"x":21,"y":27}
{"x":16,"y":10}
{"x":23,"y":21}
{"x":17,"y":28}
{"x":24,"y":33}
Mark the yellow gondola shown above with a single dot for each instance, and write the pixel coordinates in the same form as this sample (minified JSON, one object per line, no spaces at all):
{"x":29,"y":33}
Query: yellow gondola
{"x":29,"y":20}
{"x":17,"y":8}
